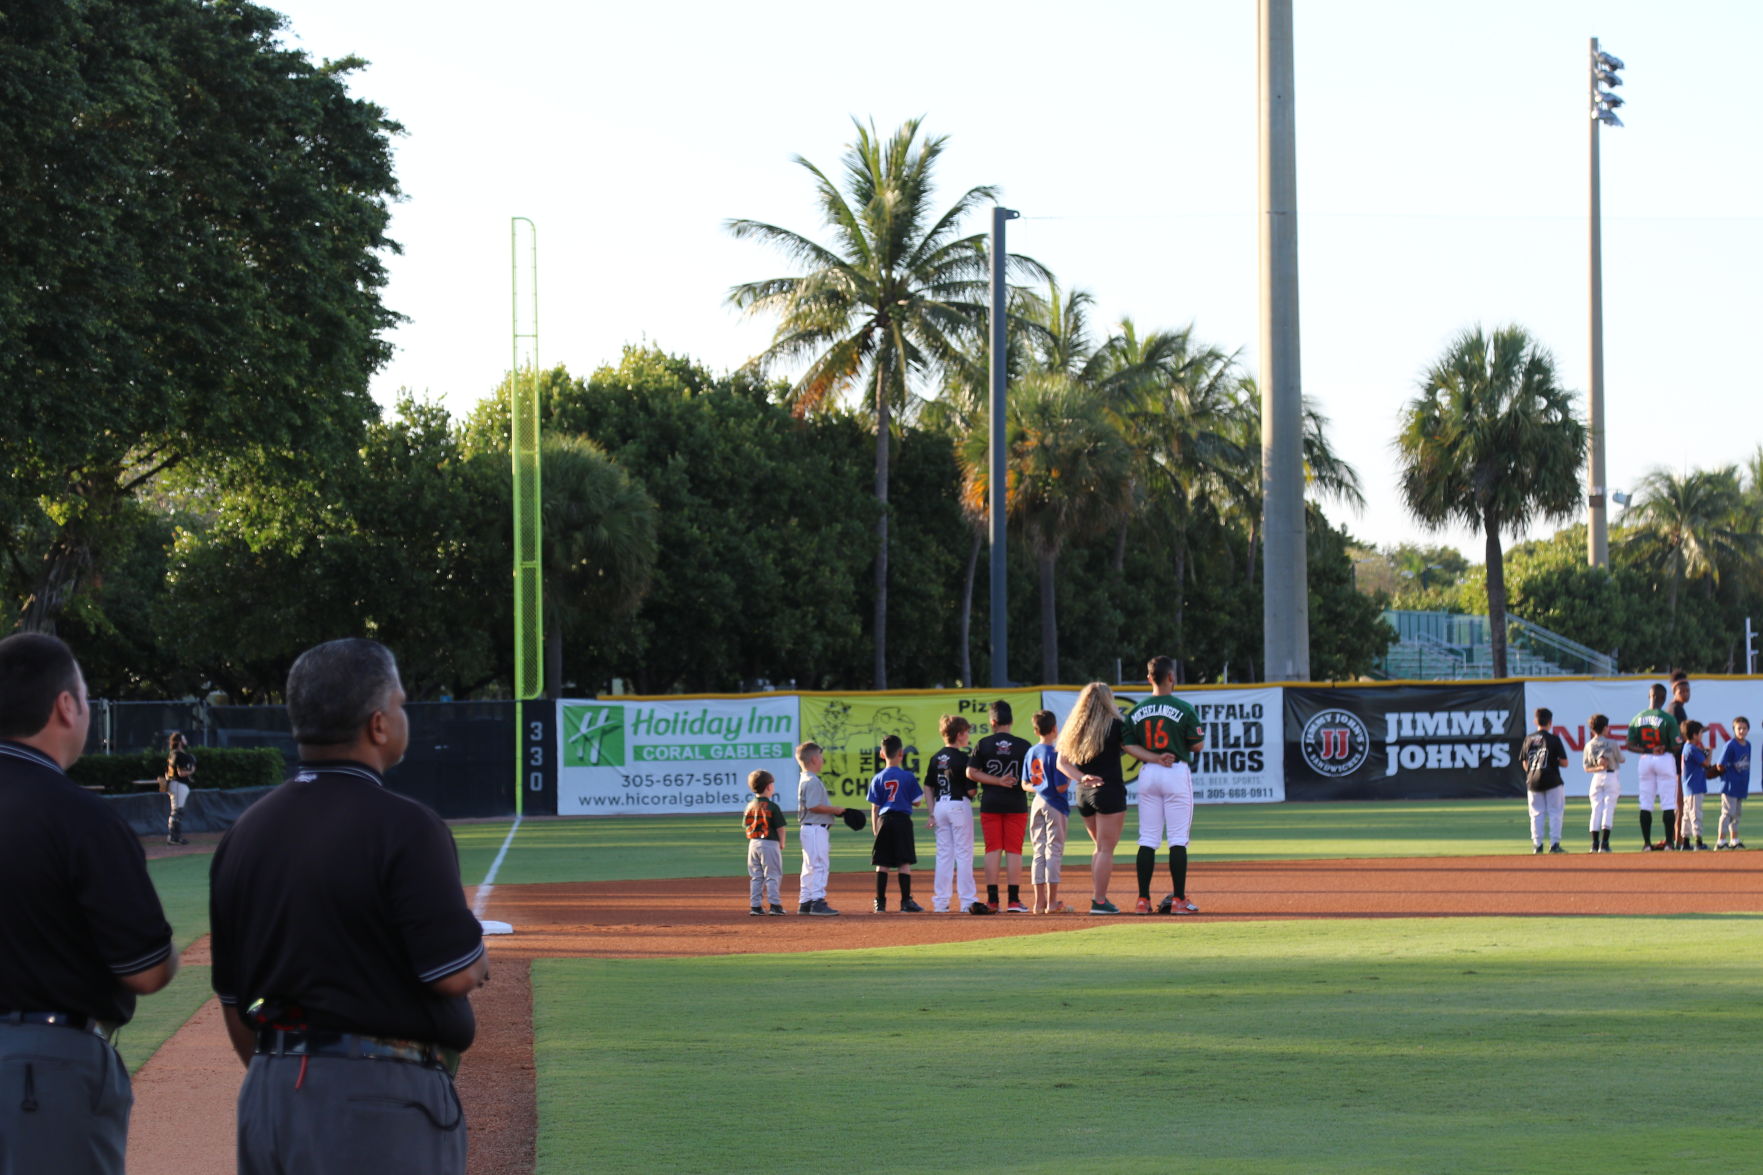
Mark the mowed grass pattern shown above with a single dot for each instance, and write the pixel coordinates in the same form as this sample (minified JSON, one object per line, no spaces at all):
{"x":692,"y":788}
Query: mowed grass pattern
{"x":642,"y":847}
{"x":1441,"y":1045}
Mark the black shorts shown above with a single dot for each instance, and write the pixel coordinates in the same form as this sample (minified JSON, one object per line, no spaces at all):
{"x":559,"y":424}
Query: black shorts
{"x":1103,"y":800}
{"x":894,"y":845}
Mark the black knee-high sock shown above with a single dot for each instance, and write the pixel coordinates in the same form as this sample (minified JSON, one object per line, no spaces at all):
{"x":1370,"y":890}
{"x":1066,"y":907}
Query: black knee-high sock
{"x":905,"y":887}
{"x":881,"y":885}
{"x":1178,"y":869}
{"x":1015,"y":893}
{"x":992,"y":894}
{"x":1147,"y":866}
{"x":1605,"y":843}
{"x":1594,"y":841}
{"x":1647,"y":825}
{"x":1670,"y":827}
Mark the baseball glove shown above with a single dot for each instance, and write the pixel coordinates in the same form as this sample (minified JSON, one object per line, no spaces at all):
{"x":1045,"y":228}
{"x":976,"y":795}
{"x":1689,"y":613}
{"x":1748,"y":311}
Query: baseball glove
{"x":855,"y":819}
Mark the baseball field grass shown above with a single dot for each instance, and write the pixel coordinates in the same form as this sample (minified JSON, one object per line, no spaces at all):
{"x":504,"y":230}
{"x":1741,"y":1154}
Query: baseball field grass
{"x":637,"y":848}
{"x":1427,"y":1045}
{"x":182,"y":883}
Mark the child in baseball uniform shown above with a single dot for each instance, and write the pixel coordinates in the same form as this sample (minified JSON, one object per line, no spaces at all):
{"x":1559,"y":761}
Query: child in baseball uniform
{"x":815,"y":813}
{"x":893,"y":793}
{"x":1051,"y":813}
{"x":1695,"y":786}
{"x":764,"y":822}
{"x":1602,"y":756}
{"x":1734,"y":771}
{"x":951,"y":818}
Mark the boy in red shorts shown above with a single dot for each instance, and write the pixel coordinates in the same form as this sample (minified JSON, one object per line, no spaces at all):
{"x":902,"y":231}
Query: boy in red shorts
{"x":1003,"y":804}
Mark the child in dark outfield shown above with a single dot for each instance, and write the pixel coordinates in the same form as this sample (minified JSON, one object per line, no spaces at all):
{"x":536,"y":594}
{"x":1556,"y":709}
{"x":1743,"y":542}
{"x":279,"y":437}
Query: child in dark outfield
{"x":1734,"y":771}
{"x":893,"y":793}
{"x":1695,"y":786}
{"x":764,"y":822}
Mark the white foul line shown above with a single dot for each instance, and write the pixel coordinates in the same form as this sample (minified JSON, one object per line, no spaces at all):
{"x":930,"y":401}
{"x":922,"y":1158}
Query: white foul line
{"x":489,"y":882}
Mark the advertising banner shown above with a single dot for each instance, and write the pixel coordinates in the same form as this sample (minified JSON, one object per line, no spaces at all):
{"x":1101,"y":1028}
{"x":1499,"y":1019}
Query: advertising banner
{"x":1713,"y":703}
{"x":654,"y":757}
{"x":850,"y":728}
{"x":1244,"y":759}
{"x":1420,"y":742}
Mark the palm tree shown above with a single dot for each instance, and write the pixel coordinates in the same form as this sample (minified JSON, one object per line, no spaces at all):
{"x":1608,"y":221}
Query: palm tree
{"x":1493,"y":442}
{"x":600,"y":545}
{"x":885,"y":306}
{"x":1692,"y":527}
{"x":1067,"y":472}
{"x":1327,"y":475}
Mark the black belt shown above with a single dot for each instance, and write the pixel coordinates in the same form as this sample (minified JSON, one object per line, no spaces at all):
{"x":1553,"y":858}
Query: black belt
{"x":104,"y":1030}
{"x":290,"y":1042}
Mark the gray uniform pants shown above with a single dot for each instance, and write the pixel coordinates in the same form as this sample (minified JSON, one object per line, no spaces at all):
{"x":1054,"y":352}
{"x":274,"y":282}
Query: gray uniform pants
{"x":383,"y":1117}
{"x":64,"y":1102}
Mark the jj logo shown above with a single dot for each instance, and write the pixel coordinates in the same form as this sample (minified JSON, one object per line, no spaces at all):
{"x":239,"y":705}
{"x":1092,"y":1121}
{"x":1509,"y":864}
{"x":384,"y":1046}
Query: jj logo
{"x":1335,"y":743}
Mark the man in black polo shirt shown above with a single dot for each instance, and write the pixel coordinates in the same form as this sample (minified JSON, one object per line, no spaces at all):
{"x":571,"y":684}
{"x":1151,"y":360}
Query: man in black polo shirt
{"x":81,"y":929}
{"x":343,"y":947}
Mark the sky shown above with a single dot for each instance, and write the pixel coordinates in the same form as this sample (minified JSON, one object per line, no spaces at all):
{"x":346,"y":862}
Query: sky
{"x":1442,"y":183}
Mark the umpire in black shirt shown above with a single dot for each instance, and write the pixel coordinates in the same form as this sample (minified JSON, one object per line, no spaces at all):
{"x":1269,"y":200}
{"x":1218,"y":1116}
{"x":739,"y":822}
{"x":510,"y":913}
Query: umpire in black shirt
{"x":343,"y":947}
{"x":81,"y":929}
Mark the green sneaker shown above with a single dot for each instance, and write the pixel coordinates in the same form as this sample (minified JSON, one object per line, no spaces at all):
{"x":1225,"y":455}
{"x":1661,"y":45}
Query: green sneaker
{"x":1103,"y":907}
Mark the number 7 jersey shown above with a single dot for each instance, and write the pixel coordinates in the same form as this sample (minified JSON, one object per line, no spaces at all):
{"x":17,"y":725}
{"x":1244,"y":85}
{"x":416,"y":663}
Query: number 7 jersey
{"x":1164,"y":723}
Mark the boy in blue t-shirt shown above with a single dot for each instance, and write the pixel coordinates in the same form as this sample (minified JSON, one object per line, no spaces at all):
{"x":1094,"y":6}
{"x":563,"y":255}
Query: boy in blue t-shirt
{"x":1695,"y":786}
{"x":893,"y":793}
{"x":1734,"y":771}
{"x":1051,"y":812}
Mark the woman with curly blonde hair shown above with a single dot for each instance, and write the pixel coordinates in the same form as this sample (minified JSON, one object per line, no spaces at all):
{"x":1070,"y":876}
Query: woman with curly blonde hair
{"x":1090,"y":748}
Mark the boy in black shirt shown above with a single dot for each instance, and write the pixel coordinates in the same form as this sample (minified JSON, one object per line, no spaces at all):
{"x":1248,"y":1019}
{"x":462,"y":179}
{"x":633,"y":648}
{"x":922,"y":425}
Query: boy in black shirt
{"x":1542,"y":755}
{"x":1003,"y":804}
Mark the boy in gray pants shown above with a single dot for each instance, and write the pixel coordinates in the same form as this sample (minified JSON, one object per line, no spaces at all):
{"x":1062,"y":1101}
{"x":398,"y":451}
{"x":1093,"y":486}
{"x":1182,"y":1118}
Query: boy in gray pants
{"x":764,"y":822}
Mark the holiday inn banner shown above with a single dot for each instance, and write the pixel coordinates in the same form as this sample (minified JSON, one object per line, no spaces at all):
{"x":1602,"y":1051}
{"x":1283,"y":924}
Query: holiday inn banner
{"x":693,"y":755}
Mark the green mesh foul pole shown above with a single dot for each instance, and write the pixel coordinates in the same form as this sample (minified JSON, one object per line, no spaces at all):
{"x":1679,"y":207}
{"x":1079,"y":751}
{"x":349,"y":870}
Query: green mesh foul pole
{"x":523,"y":404}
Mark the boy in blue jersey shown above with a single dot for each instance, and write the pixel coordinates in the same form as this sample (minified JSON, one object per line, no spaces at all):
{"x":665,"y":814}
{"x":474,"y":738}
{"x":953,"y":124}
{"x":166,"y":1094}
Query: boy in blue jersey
{"x":1734,"y":771}
{"x":893,"y":793}
{"x":1695,"y":786}
{"x":1048,"y":818}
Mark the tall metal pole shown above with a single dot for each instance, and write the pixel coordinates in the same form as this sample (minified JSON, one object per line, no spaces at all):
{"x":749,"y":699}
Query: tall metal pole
{"x":1285,"y":609}
{"x":996,"y":482}
{"x":1597,"y":535}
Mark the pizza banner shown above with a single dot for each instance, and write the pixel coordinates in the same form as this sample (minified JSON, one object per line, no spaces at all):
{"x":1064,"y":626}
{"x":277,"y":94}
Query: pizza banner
{"x":850,"y":727}
{"x":1714,"y":702}
{"x":653,"y":757}
{"x":1243,"y":761}
{"x":1417,"y":742}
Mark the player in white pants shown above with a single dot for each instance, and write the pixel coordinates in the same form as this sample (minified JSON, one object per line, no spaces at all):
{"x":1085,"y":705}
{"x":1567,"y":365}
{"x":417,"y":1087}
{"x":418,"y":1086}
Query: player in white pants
{"x":1603,"y":755}
{"x":1658,"y":776}
{"x":1166,"y":805}
{"x":952,"y":825}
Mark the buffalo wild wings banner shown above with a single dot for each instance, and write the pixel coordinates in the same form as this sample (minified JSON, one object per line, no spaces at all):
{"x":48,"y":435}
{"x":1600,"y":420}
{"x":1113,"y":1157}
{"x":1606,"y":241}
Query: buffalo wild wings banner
{"x":1244,"y":758}
{"x":1404,"y":742}
{"x":690,"y":755}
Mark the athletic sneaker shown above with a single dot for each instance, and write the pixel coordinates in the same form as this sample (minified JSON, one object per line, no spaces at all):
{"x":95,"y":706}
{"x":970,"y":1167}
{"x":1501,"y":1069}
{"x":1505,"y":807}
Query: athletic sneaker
{"x":1537,"y":848}
{"x":911,"y":907}
{"x":819,"y":909}
{"x":992,"y":906}
{"x":805,"y":908}
{"x":1738,"y":844}
{"x":1016,"y":908}
{"x":1647,"y":847}
{"x":980,"y":908}
{"x":777,"y":911}
{"x":1182,"y":906}
{"x":1556,"y":848}
{"x":1143,"y":906}
{"x":1103,"y":907}
{"x":881,"y":907}
{"x":1700,"y":847}
{"x":755,"y":912}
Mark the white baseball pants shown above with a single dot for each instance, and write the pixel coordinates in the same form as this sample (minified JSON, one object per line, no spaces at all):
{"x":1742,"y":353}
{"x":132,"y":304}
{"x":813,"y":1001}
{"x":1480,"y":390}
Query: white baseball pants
{"x":1658,"y":782}
{"x":1166,"y":804}
{"x":1605,"y":790}
{"x":816,"y":841}
{"x":1550,"y":807}
{"x":952,"y":821}
{"x":1689,"y":821}
{"x":1730,"y":807}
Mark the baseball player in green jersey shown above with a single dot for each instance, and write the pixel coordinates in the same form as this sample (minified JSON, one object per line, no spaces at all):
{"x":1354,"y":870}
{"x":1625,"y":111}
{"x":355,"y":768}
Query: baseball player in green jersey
{"x":1653,"y":735}
{"x":1169,"y":728}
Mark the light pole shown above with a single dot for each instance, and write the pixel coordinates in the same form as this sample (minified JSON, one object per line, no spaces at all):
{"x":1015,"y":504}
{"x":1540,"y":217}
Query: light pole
{"x":995,"y":456}
{"x":1604,"y":102}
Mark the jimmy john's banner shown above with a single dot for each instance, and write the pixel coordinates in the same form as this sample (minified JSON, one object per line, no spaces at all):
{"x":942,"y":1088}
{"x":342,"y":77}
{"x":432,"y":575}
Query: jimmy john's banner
{"x":691,"y":755}
{"x":850,"y":727}
{"x":1244,"y":758}
{"x":1714,"y":702}
{"x":1421,"y":742}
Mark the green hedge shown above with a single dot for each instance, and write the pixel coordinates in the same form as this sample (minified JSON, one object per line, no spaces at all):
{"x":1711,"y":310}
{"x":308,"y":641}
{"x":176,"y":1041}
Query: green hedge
{"x":216,"y":767}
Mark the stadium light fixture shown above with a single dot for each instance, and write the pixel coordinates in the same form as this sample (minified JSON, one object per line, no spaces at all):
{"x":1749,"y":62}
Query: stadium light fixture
{"x":1604,"y":77}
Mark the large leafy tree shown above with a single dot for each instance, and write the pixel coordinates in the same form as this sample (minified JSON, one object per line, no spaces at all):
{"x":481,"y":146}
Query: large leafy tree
{"x":1494,"y":442}
{"x":884,"y":307}
{"x":191,"y":246}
